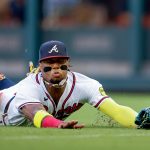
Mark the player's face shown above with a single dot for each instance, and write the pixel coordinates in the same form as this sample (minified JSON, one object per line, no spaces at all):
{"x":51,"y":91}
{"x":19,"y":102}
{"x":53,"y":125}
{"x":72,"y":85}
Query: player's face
{"x":54,"y":69}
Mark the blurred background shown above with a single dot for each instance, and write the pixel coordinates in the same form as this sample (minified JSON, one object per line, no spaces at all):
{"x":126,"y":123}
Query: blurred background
{"x":108,"y":40}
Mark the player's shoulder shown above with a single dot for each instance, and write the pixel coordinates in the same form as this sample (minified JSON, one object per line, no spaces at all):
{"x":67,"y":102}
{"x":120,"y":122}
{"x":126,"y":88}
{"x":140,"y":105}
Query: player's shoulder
{"x":83,"y":79}
{"x":30,"y":81}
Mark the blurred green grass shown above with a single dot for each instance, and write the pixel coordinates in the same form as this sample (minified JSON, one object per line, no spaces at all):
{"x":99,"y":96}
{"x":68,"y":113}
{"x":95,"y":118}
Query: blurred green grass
{"x":97,"y":134}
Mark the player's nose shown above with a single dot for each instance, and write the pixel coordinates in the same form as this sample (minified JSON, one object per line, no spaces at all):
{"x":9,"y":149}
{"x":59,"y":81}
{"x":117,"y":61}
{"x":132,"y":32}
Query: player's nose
{"x":55,"y":66}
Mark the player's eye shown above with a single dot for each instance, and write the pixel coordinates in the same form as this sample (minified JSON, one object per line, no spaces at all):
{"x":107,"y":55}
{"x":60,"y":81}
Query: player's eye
{"x":47,"y":69}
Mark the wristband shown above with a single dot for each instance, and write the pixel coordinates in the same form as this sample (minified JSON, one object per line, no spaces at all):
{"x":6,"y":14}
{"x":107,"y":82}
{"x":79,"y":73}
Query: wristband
{"x":50,"y":122}
{"x":39,"y":116}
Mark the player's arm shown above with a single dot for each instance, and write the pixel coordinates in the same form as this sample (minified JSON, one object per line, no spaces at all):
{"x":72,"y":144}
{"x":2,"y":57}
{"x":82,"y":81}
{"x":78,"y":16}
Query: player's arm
{"x":42,"y":119}
{"x":122,"y":114}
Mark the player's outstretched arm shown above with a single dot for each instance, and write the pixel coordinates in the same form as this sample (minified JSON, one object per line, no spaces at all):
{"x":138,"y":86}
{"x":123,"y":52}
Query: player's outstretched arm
{"x":42,"y":119}
{"x":122,"y":114}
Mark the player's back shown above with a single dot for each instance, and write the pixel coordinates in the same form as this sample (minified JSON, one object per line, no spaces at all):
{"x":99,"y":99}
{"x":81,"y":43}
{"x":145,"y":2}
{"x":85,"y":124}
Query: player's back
{"x":21,"y":87}
{"x":16,"y":87}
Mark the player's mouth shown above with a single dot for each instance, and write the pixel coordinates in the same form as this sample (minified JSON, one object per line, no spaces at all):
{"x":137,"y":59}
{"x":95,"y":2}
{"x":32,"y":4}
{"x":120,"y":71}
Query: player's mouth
{"x":56,"y":75}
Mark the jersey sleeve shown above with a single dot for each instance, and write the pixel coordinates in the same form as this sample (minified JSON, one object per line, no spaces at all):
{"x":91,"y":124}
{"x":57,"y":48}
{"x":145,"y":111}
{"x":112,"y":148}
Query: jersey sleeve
{"x":97,"y":94}
{"x":28,"y":93}
{"x":22,"y":100}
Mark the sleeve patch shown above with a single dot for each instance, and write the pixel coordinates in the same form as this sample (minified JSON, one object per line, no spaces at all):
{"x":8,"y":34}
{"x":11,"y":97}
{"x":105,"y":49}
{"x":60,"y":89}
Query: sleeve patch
{"x":101,"y":90}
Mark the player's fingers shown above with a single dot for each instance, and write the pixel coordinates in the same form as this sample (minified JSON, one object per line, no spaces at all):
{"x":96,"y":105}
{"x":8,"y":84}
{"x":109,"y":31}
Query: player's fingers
{"x":79,"y":126}
{"x":69,"y":124}
{"x":72,"y":123}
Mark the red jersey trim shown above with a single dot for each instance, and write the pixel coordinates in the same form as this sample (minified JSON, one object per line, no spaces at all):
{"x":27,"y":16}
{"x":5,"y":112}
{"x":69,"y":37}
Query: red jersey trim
{"x":54,"y":106}
{"x":72,"y":88}
{"x":28,"y":103}
{"x":101,"y":101}
{"x":37,"y":78}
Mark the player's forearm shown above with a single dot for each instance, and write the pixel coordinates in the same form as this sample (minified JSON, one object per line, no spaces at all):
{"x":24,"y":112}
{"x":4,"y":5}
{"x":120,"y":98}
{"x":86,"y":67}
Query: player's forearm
{"x":30,"y":110}
{"x":43,"y":119}
{"x":122,"y":114}
{"x":39,"y":116}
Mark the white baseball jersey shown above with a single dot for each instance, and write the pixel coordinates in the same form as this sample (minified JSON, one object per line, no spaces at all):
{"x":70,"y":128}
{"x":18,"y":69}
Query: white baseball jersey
{"x":79,"y":90}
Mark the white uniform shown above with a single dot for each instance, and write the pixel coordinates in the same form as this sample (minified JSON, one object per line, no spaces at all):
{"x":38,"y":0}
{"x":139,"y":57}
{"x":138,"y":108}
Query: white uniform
{"x":79,"y":90}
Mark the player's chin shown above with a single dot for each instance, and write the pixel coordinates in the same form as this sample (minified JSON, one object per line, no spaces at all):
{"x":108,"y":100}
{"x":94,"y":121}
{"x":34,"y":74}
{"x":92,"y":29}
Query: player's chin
{"x":56,"y":80}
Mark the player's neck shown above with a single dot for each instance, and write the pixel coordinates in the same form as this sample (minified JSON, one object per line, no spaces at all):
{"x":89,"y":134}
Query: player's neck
{"x":56,"y":93}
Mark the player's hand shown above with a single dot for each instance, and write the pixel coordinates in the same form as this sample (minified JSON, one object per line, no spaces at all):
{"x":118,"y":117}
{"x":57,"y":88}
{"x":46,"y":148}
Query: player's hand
{"x":71,"y":125}
{"x":143,"y":119}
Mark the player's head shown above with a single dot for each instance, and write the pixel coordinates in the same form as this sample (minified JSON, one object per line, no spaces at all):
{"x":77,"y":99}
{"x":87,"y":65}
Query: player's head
{"x":54,"y":63}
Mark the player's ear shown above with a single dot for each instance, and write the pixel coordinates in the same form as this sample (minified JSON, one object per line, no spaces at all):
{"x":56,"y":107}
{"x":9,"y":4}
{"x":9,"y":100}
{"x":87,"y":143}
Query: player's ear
{"x":40,"y":67}
{"x":69,"y":64}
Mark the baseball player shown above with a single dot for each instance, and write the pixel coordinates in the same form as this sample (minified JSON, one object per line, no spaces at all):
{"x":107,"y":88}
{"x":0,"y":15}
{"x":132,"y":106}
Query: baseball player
{"x":46,"y":98}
